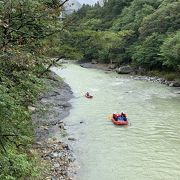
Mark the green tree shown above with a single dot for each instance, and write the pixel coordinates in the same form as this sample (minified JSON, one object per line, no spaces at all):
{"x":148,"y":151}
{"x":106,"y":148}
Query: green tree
{"x":113,"y":46}
{"x":146,"y":53}
{"x":165,"y":19}
{"x":170,"y":51}
{"x":132,"y":16}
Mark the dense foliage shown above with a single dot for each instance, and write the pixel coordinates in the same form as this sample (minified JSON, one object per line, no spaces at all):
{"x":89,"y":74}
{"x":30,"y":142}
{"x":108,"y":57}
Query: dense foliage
{"x":142,"y":32}
{"x":26,"y":32}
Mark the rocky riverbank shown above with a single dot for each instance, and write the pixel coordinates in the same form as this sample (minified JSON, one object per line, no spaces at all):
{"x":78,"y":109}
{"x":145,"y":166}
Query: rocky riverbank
{"x":47,"y":117}
{"x":132,"y":73}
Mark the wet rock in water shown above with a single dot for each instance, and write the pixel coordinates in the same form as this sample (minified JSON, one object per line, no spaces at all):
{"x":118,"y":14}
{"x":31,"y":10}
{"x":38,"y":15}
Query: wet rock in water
{"x":71,"y":159}
{"x":175,"y":84}
{"x":86,"y":65}
{"x":71,"y":139}
{"x":60,"y":122}
{"x":65,"y":146}
{"x":61,"y":126}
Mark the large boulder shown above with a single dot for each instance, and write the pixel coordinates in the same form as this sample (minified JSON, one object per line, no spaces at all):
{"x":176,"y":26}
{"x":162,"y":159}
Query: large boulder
{"x":86,"y":65}
{"x":124,"y":70}
{"x":174,"y":84}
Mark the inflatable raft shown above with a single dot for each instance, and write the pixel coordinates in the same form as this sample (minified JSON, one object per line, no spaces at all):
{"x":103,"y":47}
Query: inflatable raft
{"x":119,"y":121}
{"x":90,"y":97}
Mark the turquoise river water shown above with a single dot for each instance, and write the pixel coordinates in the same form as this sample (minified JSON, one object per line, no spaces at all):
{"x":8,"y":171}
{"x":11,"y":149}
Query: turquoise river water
{"x":147,"y":149}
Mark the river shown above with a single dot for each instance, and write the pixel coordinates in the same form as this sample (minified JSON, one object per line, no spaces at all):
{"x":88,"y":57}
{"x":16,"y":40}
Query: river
{"x":147,"y":149}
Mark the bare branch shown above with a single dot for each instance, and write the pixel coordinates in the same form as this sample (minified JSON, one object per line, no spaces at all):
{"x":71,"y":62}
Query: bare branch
{"x":63,"y":3}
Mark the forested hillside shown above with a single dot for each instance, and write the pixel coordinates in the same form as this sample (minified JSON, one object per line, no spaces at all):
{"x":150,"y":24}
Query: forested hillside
{"x":143,"y":33}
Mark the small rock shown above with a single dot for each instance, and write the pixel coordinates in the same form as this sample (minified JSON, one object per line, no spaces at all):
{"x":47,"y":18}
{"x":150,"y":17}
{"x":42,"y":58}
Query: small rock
{"x":56,"y":165}
{"x":71,"y":139}
{"x":171,"y":84}
{"x":53,"y":178}
{"x":31,"y":108}
{"x":65,"y":146}
{"x":94,"y":62}
{"x":46,"y":128}
{"x":38,"y":143}
{"x":61,"y":126}
{"x":47,"y":158}
{"x":54,"y":155}
{"x":60,"y":154}
{"x":176,"y":84}
{"x":54,"y":139}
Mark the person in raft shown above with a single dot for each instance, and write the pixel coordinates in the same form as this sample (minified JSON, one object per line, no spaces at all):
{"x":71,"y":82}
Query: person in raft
{"x":122,"y":117}
{"x":87,"y":94}
{"x":115,"y":117}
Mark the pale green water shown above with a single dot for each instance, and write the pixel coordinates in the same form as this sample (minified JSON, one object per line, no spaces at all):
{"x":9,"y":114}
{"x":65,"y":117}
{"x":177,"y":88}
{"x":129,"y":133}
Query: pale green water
{"x":148,"y":149}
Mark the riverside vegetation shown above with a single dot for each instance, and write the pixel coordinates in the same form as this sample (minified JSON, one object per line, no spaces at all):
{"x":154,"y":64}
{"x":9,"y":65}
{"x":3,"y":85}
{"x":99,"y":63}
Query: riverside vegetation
{"x":144,"y":33}
{"x":27,"y":30}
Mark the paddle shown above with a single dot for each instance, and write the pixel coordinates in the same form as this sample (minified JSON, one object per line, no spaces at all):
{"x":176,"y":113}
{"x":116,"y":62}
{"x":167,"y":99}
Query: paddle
{"x":109,"y":117}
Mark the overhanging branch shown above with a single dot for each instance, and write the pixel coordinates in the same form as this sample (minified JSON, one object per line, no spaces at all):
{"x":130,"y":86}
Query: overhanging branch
{"x":50,"y":65}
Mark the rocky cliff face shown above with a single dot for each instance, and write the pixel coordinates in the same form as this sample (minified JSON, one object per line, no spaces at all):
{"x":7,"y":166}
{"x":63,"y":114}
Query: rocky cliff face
{"x":101,"y":2}
{"x":71,"y":6}
{"x":74,"y":5}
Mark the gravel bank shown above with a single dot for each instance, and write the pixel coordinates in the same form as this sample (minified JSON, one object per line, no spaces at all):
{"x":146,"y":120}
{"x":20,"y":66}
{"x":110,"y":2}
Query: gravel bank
{"x":47,"y":117}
